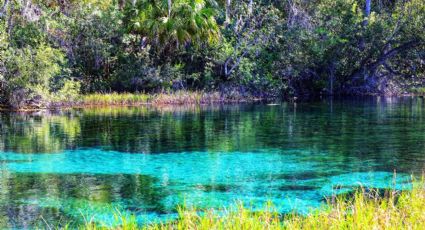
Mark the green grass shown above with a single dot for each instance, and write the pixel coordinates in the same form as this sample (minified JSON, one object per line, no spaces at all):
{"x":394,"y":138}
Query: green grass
{"x":174,"y":98}
{"x":364,"y":210}
{"x":187,"y":97}
{"x":181,"y":97}
{"x":115,"y":99}
{"x":418,"y":90}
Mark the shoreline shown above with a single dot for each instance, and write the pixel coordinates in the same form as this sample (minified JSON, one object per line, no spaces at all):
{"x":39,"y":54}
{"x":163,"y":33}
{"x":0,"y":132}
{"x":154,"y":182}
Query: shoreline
{"x":179,"y":98}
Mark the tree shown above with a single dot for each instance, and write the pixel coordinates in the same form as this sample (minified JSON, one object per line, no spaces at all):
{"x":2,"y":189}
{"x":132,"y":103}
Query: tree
{"x":174,"y":25}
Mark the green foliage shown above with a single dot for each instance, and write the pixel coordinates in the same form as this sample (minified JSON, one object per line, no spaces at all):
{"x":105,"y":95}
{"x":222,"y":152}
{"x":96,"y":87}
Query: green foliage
{"x":248,"y":49}
{"x":269,"y":48}
{"x":29,"y":72}
{"x":93,"y":36}
{"x":138,"y":72}
{"x":333,"y":44}
{"x":27,"y":34}
{"x":70,"y":92}
{"x":187,"y":21}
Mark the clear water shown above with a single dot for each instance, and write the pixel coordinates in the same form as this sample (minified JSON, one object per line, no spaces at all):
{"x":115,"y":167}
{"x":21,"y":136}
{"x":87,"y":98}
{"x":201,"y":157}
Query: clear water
{"x":67,"y":166}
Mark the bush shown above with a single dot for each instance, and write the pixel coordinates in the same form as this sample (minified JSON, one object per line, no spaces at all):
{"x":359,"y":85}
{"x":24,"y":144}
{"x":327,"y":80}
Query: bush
{"x":28,"y":73}
{"x":70,"y":92}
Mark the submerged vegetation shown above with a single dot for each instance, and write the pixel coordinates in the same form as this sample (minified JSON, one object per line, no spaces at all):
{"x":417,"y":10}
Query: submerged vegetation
{"x":364,"y":210}
{"x":54,"y":51}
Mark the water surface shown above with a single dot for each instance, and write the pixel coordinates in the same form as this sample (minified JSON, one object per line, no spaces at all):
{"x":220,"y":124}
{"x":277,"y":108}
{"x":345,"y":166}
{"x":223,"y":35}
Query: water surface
{"x":65,"y":166}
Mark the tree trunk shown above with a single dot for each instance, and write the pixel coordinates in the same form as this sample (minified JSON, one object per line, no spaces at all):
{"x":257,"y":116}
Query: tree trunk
{"x":362,"y":44}
{"x":365,"y":74}
{"x":250,"y":7}
{"x":367,"y":12}
{"x":121,"y":4}
{"x":331,"y":77}
{"x":9,"y":25}
{"x":169,"y":8}
{"x":4,"y":8}
{"x":228,"y":17}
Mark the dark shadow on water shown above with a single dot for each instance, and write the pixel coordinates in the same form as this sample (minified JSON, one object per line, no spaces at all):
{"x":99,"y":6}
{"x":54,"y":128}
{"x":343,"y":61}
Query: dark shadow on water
{"x":217,"y":187}
{"x":302,"y":176}
{"x":298,"y":187}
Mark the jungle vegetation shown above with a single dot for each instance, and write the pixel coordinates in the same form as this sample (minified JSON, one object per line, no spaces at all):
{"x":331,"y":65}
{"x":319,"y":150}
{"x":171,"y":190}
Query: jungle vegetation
{"x":57,"y":50}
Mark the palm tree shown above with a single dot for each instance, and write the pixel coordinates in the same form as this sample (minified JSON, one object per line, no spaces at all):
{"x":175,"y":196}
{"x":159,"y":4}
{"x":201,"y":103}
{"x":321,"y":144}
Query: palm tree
{"x":176,"y":23}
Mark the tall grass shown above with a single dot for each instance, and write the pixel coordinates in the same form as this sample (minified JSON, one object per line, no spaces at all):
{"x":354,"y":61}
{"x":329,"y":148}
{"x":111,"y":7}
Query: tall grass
{"x":174,"y":98}
{"x":187,"y":97}
{"x":365,"y":210}
{"x":115,"y":99}
{"x":418,"y":91}
{"x":130,"y":99}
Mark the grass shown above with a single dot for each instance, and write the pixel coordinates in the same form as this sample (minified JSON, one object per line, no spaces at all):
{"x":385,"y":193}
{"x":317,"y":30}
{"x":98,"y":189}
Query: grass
{"x":115,"y":99}
{"x":418,"y":90}
{"x":363,"y":210}
{"x":181,"y":97}
{"x":174,"y":98}
{"x":186,"y":97}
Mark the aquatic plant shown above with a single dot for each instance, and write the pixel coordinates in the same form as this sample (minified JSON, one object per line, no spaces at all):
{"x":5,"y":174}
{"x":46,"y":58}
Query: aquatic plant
{"x":181,"y":97}
{"x":115,"y":99}
{"x":185,"y":97}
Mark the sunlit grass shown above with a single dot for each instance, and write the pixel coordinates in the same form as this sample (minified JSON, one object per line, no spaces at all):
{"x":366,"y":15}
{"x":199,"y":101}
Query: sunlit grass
{"x":187,"y":97}
{"x":364,"y":210}
{"x":181,"y":97}
{"x":173,"y":98}
{"x":418,"y":90}
{"x":115,"y":99}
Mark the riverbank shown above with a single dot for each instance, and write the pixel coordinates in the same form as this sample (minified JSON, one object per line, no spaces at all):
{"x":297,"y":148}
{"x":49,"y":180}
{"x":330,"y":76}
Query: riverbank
{"x":176,"y":98}
{"x":363,"y":210}
{"x":137,"y":99}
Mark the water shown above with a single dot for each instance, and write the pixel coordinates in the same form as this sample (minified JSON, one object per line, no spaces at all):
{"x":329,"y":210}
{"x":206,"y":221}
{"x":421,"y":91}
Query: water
{"x":68,"y":166}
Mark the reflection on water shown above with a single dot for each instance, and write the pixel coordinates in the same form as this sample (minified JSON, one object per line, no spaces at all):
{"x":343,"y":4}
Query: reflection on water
{"x":92,"y":162}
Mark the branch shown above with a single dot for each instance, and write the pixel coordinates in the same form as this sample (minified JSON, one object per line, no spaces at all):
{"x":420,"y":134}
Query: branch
{"x":3,"y":8}
{"x":392,"y":53}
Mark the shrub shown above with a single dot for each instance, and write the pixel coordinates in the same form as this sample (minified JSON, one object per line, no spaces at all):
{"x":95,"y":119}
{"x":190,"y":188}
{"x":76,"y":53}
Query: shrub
{"x":70,"y":92}
{"x":28,"y":72}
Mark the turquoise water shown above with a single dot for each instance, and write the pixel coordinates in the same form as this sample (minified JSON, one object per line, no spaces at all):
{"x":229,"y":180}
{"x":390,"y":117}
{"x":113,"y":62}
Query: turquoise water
{"x":68,"y":166}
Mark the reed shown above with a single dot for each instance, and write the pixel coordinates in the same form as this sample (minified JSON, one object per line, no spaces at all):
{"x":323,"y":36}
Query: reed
{"x":363,"y":210}
{"x":115,"y":99}
{"x":187,"y":97}
{"x":173,"y":98}
{"x":181,"y":97}
{"x":418,"y":91}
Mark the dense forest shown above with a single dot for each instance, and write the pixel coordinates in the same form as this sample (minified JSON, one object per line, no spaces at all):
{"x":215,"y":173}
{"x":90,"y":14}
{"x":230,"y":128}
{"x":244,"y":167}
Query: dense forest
{"x":59,"y":49}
